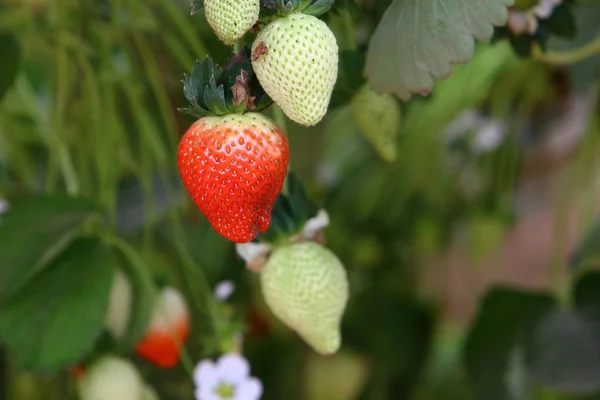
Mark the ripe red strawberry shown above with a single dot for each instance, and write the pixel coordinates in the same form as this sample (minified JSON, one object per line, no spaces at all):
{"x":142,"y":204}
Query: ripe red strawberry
{"x":168,"y":329}
{"x":234,"y":166}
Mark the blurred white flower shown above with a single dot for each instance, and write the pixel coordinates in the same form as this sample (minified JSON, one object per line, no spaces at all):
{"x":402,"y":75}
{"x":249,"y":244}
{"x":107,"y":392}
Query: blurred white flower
{"x":226,"y":379}
{"x":316,"y":224}
{"x":525,"y":21}
{"x":251,"y":251}
{"x":545,"y":7}
{"x":464,"y":122}
{"x":224,"y":290}
{"x":520,"y":22}
{"x":327,"y":174}
{"x":3,"y":206}
{"x":488,"y":135}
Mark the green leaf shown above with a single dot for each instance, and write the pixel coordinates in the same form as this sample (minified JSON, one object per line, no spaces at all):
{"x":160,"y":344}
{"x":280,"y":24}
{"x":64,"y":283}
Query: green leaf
{"x":419,"y":41}
{"x":33,"y":232}
{"x":318,"y":7}
{"x":9,"y":62}
{"x":504,"y":325}
{"x":54,"y":321}
{"x":396,"y":332}
{"x":565,"y":353}
{"x":562,"y":22}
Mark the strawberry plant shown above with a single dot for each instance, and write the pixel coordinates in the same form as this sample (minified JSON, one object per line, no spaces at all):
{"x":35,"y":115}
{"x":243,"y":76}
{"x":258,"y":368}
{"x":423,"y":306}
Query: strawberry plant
{"x":299,"y":199}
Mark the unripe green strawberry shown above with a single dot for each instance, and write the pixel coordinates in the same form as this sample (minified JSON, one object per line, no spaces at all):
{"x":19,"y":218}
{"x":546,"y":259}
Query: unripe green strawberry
{"x":148,"y":393}
{"x":378,"y":119}
{"x":296,"y":61}
{"x":111,"y":378}
{"x":338,"y":377}
{"x":231,"y":19}
{"x":119,"y":308}
{"x":305,"y":285}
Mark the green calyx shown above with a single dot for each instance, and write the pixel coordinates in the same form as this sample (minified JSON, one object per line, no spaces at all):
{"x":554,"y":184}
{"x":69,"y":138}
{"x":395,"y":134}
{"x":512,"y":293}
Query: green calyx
{"x":196,"y":6}
{"x":273,"y":9}
{"x":290,"y":213}
{"x":212,"y":90}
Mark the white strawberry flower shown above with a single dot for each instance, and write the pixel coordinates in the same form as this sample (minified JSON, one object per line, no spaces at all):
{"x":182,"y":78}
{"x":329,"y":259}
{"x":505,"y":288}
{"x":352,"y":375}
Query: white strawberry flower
{"x":224,"y":290}
{"x":226,"y":379}
{"x":526,"y":21}
{"x":3,"y":205}
{"x":545,"y":7}
{"x":316,"y":224}
{"x":489,"y":135}
{"x":251,"y":251}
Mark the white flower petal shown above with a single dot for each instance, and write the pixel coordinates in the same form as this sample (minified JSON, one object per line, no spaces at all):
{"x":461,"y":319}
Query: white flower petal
{"x":545,"y":8}
{"x":233,"y":368}
{"x":206,"y":374}
{"x":489,"y":136}
{"x":250,"y":251}
{"x":463,"y":123}
{"x":3,"y":206}
{"x":517,"y":22}
{"x":316,"y":224}
{"x":224,"y":290}
{"x":249,"y":390}
{"x":206,"y":394}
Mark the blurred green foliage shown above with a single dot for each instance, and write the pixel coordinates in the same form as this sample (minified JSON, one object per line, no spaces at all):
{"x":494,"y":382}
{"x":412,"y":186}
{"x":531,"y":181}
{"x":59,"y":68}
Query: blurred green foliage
{"x":88,"y":134}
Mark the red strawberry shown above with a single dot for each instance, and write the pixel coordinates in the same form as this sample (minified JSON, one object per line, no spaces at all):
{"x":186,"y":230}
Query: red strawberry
{"x":234,"y":166}
{"x":168,"y":329}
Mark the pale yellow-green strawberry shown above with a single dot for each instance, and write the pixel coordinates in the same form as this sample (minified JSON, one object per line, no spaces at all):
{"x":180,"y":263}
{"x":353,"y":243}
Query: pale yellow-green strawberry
{"x":305,"y":285}
{"x":231,"y":19}
{"x":296,"y":61}
{"x":378,"y":119}
{"x":338,"y":377}
{"x":111,"y":378}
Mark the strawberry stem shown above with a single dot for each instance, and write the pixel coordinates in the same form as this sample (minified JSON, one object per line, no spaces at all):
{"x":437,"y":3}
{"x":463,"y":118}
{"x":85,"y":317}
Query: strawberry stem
{"x":237,"y":46}
{"x":279,"y":117}
{"x":349,"y":29}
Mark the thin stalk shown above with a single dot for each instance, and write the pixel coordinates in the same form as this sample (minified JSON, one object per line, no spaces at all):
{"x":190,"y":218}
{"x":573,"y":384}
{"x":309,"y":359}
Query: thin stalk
{"x":237,"y":46}
{"x":60,"y":148}
{"x":101,"y":146}
{"x":183,"y":57}
{"x":569,"y":57}
{"x":200,"y":289}
{"x":158,"y":87}
{"x":349,"y":29}
{"x":183,"y":24}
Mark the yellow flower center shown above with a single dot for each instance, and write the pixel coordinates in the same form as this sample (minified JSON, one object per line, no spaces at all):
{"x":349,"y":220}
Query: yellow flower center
{"x":225,"y":391}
